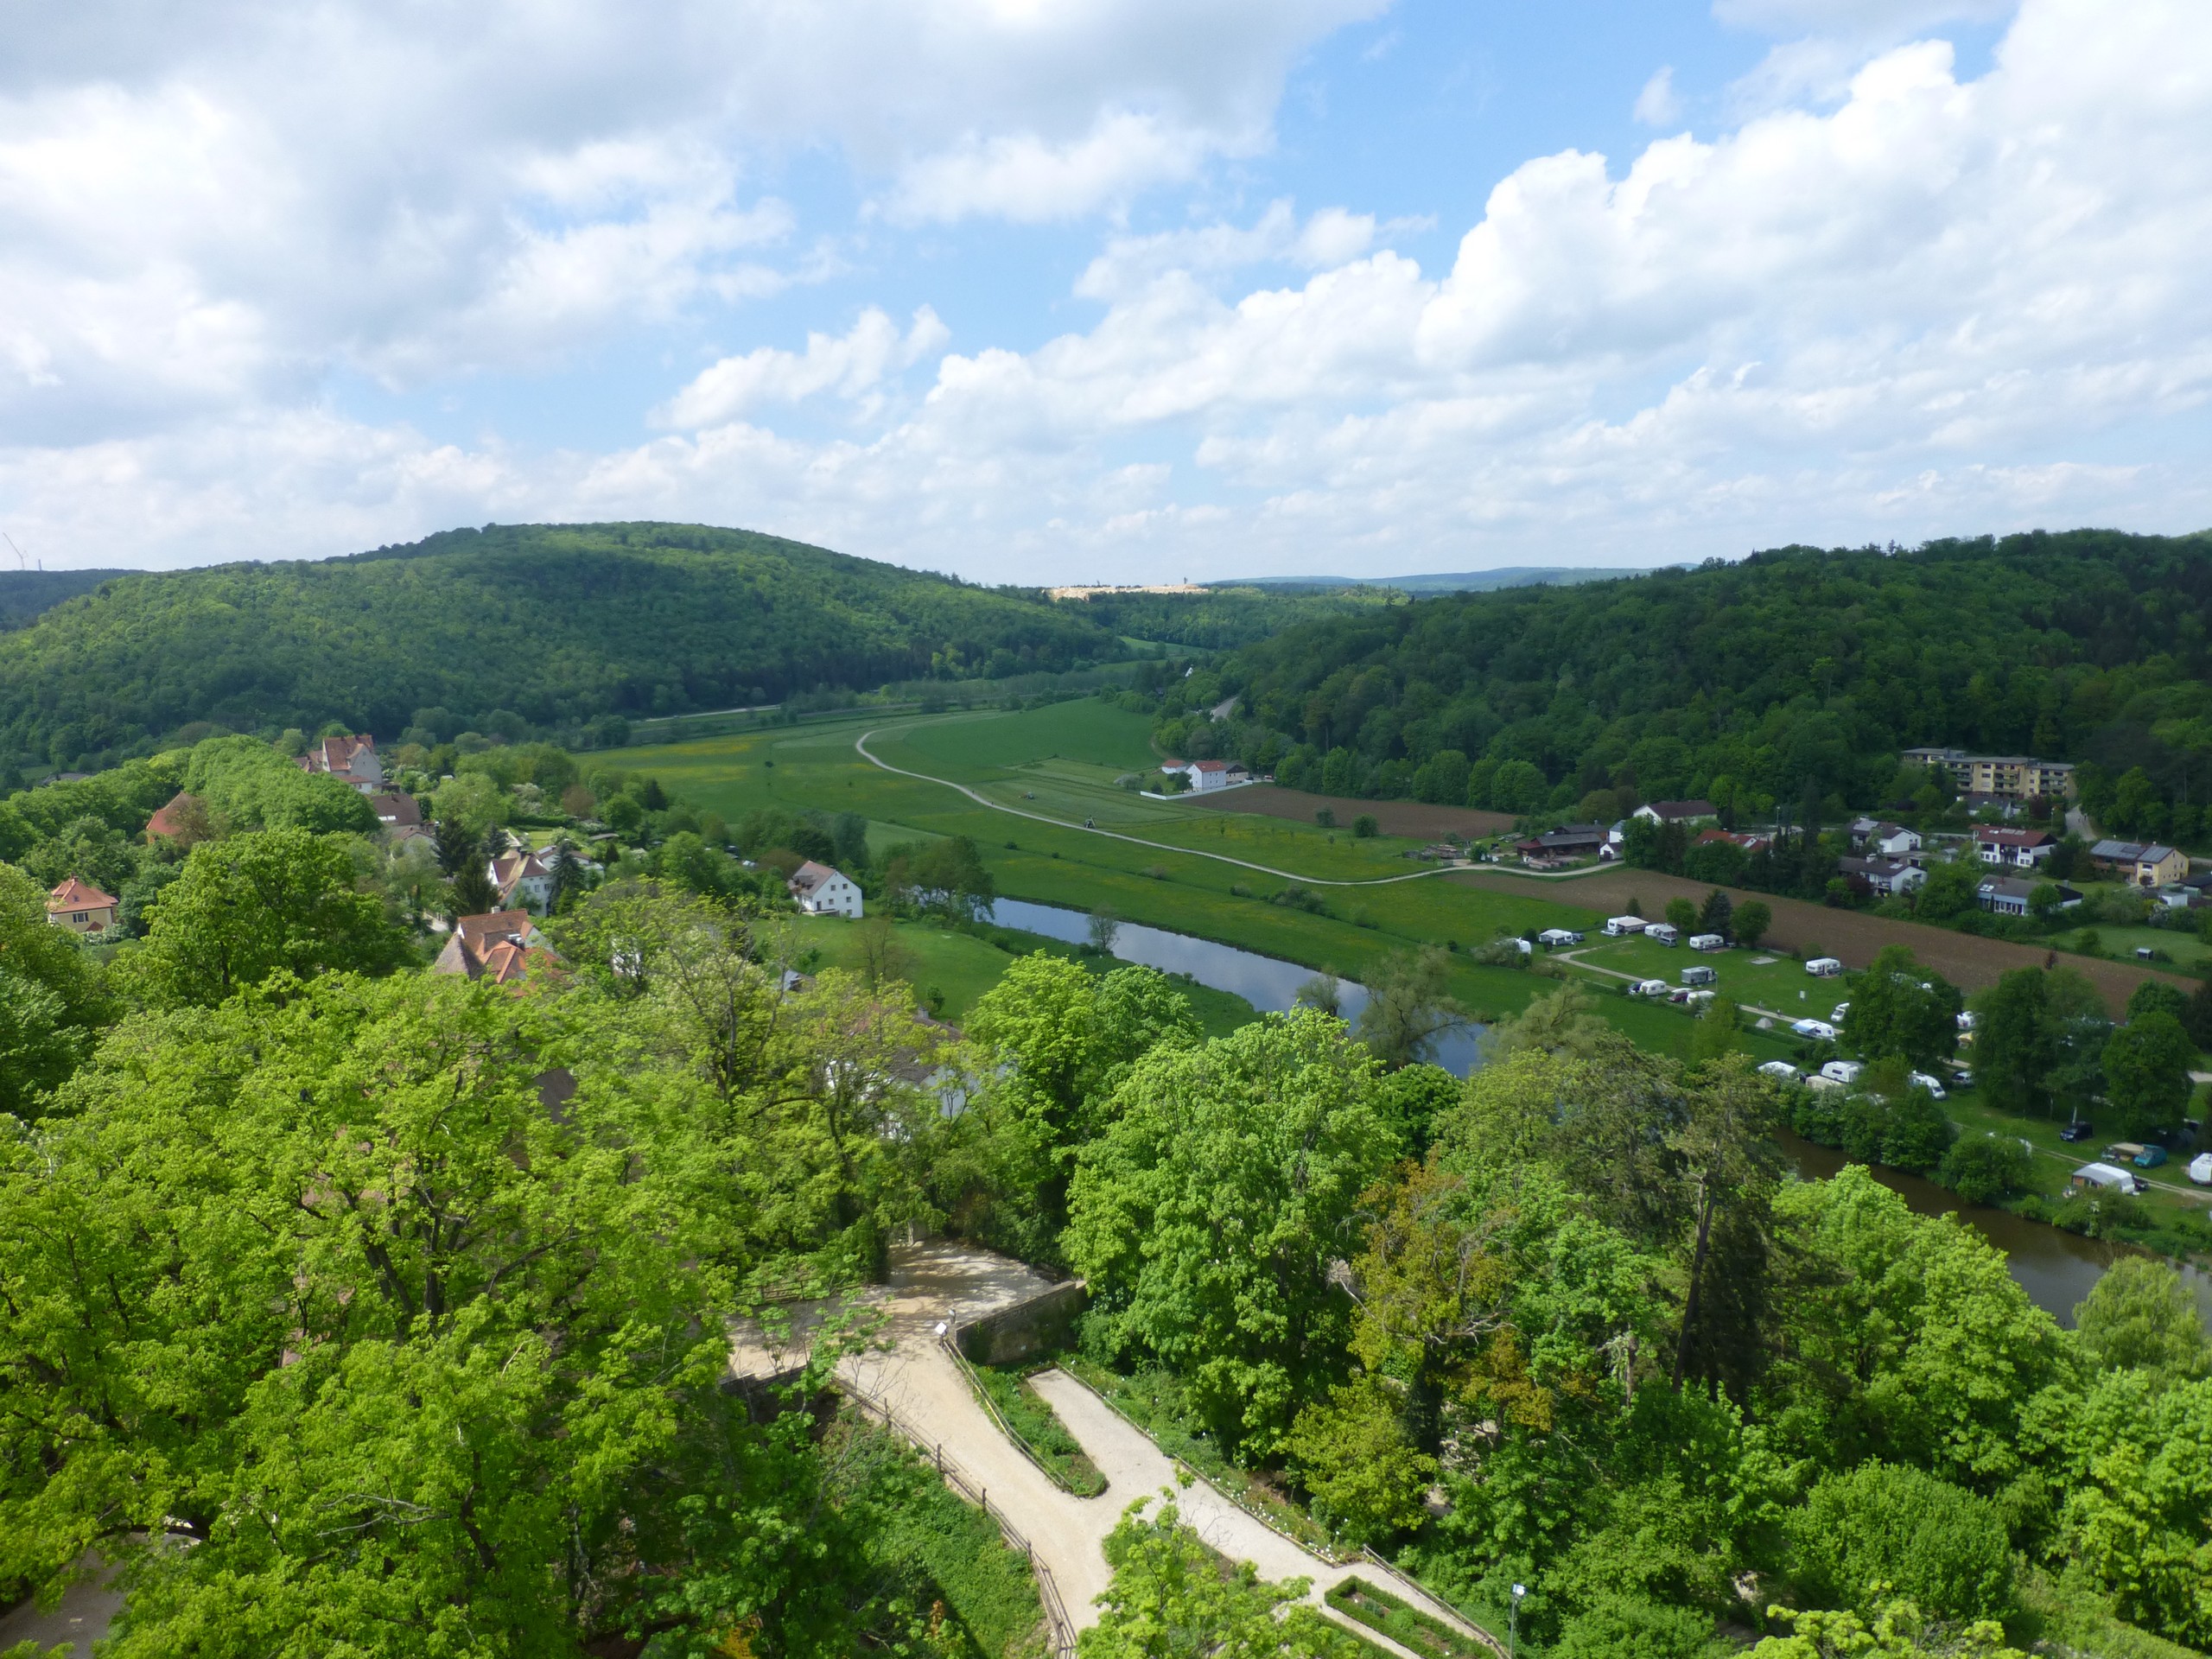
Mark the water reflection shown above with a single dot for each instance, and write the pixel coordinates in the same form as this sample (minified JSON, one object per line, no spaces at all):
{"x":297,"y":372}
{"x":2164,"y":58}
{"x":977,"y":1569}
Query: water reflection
{"x":1268,"y":983}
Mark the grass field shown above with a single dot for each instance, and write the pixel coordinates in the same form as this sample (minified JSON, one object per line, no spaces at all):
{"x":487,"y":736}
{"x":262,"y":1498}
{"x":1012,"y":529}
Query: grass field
{"x":1159,"y":883}
{"x":1746,"y":976}
{"x":2187,"y":952}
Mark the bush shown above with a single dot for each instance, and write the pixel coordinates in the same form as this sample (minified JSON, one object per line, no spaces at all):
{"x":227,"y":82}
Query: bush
{"x":1934,"y":1544}
{"x":1986,"y":1168}
{"x":1364,"y":826}
{"x":1615,"y":1625}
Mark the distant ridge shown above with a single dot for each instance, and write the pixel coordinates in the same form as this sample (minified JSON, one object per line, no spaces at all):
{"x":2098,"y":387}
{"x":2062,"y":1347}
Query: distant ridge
{"x":25,"y":595}
{"x":1463,"y":581}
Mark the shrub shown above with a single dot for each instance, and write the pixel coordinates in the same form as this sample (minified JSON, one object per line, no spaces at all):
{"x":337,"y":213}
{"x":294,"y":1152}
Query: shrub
{"x":1936,"y":1545}
{"x":1986,"y":1168}
{"x":1364,"y":826}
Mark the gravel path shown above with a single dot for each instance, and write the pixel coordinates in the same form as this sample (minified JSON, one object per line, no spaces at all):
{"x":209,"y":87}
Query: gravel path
{"x":925,"y":1392}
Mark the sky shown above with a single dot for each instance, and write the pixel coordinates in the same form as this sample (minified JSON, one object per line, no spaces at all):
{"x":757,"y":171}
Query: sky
{"x":1061,"y":291}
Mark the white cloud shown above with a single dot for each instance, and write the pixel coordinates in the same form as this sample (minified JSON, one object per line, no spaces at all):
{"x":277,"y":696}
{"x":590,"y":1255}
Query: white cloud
{"x":1657,"y":105}
{"x":853,"y":365}
{"x":1031,"y":180}
{"x":1937,"y":306}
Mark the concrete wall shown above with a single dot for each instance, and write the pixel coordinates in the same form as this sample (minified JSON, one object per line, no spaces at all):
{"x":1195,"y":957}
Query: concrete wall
{"x":1045,"y":1322}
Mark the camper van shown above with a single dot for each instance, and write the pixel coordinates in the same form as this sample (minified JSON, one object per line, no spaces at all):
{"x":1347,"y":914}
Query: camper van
{"x":1824,"y":968}
{"x":1780,"y":1071}
{"x":2200,"y":1169}
{"x":1649,"y":988}
{"x":1660,"y":931}
{"x":2106,"y":1178}
{"x":1552,"y":939}
{"x":1707,"y":942}
{"x":1819,"y":1030}
{"x":1843,"y":1071}
{"x":1700,"y":975}
{"x":1621,"y":927}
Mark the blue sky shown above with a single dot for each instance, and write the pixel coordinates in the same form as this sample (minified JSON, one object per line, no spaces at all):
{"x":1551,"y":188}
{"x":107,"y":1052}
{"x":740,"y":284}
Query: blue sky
{"x":1056,"y":290}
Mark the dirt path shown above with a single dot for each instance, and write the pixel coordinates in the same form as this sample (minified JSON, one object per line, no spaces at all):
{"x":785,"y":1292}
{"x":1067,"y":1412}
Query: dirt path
{"x":861,"y":744}
{"x":1968,"y":961}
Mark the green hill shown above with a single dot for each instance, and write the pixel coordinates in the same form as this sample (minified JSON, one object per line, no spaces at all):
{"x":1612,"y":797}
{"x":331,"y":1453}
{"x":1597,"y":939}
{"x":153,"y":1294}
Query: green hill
{"x":555,"y":624}
{"x":25,"y":593}
{"x":1754,"y":683}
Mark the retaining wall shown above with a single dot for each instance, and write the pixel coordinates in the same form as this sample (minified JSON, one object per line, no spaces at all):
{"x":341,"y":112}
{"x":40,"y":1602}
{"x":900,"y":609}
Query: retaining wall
{"x":1043,"y":1323}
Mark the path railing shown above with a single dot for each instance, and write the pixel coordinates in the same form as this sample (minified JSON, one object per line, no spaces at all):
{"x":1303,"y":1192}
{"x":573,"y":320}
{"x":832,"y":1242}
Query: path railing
{"x":1058,"y":1624}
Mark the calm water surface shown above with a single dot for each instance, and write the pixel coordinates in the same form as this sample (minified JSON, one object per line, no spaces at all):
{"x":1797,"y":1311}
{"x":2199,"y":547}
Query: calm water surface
{"x":2055,"y":1267}
{"x":1268,"y":983}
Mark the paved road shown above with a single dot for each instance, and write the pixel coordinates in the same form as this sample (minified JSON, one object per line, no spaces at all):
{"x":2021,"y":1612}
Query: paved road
{"x":924,"y":1391}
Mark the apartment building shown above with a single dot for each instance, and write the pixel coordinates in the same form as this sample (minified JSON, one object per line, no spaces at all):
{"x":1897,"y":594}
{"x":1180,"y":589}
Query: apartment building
{"x":2017,"y":776}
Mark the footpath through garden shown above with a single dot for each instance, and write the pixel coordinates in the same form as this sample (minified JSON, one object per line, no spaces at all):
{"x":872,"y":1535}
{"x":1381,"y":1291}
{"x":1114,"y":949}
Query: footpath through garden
{"x":912,"y":1380}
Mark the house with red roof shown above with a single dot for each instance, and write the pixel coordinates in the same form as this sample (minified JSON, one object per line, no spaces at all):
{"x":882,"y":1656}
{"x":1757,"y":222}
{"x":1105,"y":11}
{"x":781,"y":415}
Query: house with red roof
{"x":184,"y":818}
{"x":80,"y":906}
{"x":354,"y":760}
{"x":504,"y":946}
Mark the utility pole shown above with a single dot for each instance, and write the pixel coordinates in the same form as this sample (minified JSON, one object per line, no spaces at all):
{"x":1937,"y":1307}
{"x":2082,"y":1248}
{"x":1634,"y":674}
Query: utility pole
{"x":1513,"y":1623}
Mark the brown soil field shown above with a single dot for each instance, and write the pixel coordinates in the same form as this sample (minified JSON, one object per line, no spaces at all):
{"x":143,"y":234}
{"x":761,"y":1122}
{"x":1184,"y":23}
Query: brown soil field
{"x":1971,"y":963}
{"x":1392,"y":818}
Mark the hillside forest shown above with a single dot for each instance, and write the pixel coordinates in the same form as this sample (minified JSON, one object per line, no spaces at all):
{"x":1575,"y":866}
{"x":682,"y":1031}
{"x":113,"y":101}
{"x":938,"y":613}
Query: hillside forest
{"x":1781,"y":686}
{"x":352,"y":1307}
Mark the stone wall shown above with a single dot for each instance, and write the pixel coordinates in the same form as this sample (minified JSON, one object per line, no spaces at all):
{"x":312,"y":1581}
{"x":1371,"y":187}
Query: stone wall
{"x":1045,"y":1322}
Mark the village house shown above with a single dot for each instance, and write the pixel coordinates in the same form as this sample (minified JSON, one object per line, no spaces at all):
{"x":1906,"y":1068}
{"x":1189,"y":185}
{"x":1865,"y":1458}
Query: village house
{"x":2003,"y":776}
{"x":2021,"y":849}
{"x":503,"y":946}
{"x":182,"y":817}
{"x":2144,"y":865}
{"x":2008,"y":895}
{"x":396,"y":808}
{"x":1213,"y":774}
{"x":351,"y":759}
{"x":1749,"y":843}
{"x":1674,"y":811}
{"x":1559,"y":846}
{"x":80,"y":906}
{"x":1886,"y":876}
{"x":1878,"y":839}
{"x":822,"y":891}
{"x":523,"y":879}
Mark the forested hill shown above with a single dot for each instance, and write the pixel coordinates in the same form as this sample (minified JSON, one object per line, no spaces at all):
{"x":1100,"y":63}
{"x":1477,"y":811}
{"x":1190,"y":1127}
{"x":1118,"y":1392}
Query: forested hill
{"x":557,"y":624}
{"x":25,"y":593}
{"x":1748,"y":681}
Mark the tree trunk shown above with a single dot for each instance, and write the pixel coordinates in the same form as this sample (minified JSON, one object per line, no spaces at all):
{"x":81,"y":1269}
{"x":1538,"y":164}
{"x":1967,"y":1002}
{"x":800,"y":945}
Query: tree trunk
{"x":1697,"y":1275}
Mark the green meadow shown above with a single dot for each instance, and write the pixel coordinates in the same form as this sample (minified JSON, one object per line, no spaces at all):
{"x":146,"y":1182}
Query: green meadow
{"x":1059,"y":763}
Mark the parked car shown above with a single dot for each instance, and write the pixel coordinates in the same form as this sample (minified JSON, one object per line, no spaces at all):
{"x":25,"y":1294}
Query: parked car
{"x":1838,"y":1012}
{"x":1922,"y":1080}
{"x":1819,"y":1030}
{"x":2077,"y":1130}
{"x":1962,"y":1078}
{"x":2200,"y":1168}
{"x":1844,"y":1071}
{"x":1782,"y":1071}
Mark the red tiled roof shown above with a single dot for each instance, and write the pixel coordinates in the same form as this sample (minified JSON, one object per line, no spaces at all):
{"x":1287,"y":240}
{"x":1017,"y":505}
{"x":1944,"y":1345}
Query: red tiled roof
{"x":74,"y":894}
{"x":164,"y":822}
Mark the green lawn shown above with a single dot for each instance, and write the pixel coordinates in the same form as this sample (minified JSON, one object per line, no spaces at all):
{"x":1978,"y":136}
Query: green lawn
{"x":816,"y":765}
{"x":2186,"y":951}
{"x":1781,"y":983}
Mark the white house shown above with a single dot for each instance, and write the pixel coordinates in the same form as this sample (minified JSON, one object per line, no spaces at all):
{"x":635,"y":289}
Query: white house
{"x":1674,"y":811}
{"x":2019,"y":850}
{"x":352,"y":760}
{"x":523,"y":879}
{"x":1887,"y":876}
{"x":1213,"y":774}
{"x":822,"y":891}
{"x":1888,"y":841}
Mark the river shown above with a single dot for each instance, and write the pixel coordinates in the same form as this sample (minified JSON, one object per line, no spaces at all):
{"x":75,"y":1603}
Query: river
{"x":2054,"y":1267}
{"x":1268,"y":983}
